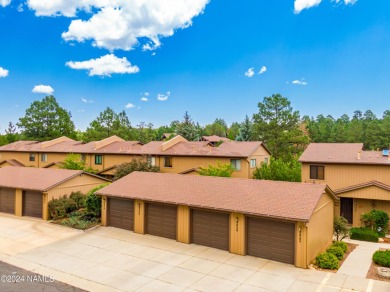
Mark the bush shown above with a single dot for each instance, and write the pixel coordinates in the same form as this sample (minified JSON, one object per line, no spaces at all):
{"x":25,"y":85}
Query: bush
{"x":94,"y":202}
{"x":337,"y":251}
{"x":342,"y":245}
{"x":377,"y":220}
{"x":382,"y":258}
{"x":134,"y":165}
{"x":327,"y":260}
{"x":70,"y":206}
{"x":79,"y":199}
{"x":57,"y":208}
{"x":365,"y":234}
{"x":340,"y":228}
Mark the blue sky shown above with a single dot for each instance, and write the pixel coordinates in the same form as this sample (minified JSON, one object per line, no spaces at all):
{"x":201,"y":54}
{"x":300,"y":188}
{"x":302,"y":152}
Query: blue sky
{"x":329,"y":57}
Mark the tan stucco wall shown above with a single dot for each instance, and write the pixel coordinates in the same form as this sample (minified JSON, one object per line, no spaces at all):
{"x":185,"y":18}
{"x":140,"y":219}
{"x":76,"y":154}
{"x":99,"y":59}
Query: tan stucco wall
{"x":370,"y":193}
{"x":361,"y":206}
{"x":18,"y":202}
{"x":183,"y":224}
{"x":320,"y":228}
{"x":237,"y":234}
{"x":104,"y":211}
{"x":83,"y":183}
{"x":139,"y":216}
{"x":338,"y":176}
{"x":301,"y":245}
{"x":260,"y":154}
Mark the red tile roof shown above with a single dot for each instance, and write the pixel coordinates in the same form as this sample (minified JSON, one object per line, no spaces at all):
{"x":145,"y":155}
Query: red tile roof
{"x":342,"y":153}
{"x":12,"y":162}
{"x":292,"y":201}
{"x":38,"y":179}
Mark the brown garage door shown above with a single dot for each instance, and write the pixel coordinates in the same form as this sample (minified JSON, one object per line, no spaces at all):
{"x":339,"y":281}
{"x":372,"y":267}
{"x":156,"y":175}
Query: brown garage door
{"x":32,"y":204}
{"x":161,"y":220}
{"x":7,"y":200}
{"x":272,"y":240}
{"x":210,"y":229}
{"x":121,"y":213}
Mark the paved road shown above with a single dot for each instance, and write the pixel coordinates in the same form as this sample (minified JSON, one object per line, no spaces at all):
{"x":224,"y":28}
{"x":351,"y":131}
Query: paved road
{"x":27,"y":281}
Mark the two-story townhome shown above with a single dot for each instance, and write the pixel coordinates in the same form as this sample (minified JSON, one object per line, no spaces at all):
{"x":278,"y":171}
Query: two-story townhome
{"x":176,"y":155}
{"x":361,"y":179}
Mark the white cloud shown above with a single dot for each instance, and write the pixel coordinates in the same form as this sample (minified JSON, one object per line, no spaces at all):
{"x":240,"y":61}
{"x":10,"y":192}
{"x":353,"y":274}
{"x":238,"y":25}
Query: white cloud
{"x":129,"y":105}
{"x":118,"y":24}
{"x":146,"y":93}
{"x":46,"y":89}
{"x":163,"y":97}
{"x":20,"y":8}
{"x":144,"y":98}
{"x":3,"y":72}
{"x":299,"y":82}
{"x":105,"y":66}
{"x":250,"y":72}
{"x":4,"y":2}
{"x":84,"y":100}
{"x":299,"y":5}
{"x":263,"y":69}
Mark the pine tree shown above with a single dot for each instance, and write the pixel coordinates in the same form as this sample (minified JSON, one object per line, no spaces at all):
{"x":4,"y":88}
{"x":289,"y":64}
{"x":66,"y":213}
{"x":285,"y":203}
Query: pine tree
{"x":245,"y":130}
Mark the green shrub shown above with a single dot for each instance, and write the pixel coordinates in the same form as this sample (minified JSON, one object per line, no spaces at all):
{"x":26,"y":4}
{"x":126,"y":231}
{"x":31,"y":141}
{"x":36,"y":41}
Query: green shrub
{"x":340,"y":228}
{"x":377,"y":220}
{"x":327,"y":260}
{"x":79,"y":199}
{"x":382,"y":258}
{"x":365,"y":234}
{"x":337,"y":251}
{"x":342,"y":245}
{"x":94,"y":202}
{"x":57,"y":208}
{"x":70,"y":206}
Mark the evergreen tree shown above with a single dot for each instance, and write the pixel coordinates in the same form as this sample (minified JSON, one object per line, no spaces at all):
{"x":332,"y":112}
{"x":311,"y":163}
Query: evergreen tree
{"x":245,"y":130}
{"x":187,"y":129}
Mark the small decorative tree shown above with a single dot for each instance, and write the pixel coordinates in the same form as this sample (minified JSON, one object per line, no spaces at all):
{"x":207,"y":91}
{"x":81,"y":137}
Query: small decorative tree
{"x":340,"y":227}
{"x":134,"y":165}
{"x":222,"y":170}
{"x":377,"y":220}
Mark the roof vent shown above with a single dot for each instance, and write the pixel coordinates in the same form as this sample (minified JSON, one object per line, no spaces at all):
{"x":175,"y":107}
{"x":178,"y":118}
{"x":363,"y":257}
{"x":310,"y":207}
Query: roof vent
{"x":385,"y":152}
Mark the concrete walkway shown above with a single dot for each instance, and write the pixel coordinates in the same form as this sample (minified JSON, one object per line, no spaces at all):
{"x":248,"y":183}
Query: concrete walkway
{"x":112,"y":259}
{"x":359,"y":261}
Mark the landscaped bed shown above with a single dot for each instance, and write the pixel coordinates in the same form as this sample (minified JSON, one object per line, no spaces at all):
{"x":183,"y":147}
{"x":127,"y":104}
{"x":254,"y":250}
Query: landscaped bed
{"x":373,"y":271}
{"x":349,"y":249}
{"x":77,"y":211}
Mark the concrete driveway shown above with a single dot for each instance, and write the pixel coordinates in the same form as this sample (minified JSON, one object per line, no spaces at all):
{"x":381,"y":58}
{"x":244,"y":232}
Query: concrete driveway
{"x":111,"y":259}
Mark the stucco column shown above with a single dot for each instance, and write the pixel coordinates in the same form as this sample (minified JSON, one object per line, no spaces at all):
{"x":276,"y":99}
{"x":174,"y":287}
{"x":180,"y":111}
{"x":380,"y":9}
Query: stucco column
{"x":139,"y":216}
{"x":301,"y":245}
{"x":104,"y":211}
{"x":183,"y":224}
{"x":45,"y":206}
{"x":237,"y":233}
{"x":18,"y":202}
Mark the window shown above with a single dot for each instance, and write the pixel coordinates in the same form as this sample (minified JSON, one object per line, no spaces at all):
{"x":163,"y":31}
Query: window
{"x":152,"y":160}
{"x":32,"y":156}
{"x":236,"y":163}
{"x":98,"y":159}
{"x":253,"y":163}
{"x":43,"y":157}
{"x":317,"y":172}
{"x":167,"y":161}
{"x":266,"y":160}
{"x":83,"y":157}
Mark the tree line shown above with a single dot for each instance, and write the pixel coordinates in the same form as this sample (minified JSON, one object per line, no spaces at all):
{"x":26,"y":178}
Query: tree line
{"x":281,"y":128}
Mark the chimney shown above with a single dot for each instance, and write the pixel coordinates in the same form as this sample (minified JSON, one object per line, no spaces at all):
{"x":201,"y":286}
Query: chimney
{"x":359,"y":155}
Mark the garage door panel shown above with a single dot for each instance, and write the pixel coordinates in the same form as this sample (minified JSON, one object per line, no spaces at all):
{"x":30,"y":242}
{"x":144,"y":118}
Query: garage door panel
{"x":272,"y":240}
{"x":32,"y":204}
{"x":7,"y":200}
{"x":121,"y":213}
{"x":210,"y":229}
{"x":161,"y":220}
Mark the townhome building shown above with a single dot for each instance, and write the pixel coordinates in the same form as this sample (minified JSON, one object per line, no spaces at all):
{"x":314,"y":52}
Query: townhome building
{"x":361,"y":179}
{"x":176,"y":155}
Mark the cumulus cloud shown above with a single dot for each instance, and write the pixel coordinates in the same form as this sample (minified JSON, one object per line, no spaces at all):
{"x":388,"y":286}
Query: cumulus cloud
{"x":4,"y":2}
{"x":3,"y":72}
{"x":129,"y":105}
{"x":118,"y":24}
{"x":163,"y":97}
{"x":144,"y":98}
{"x":263,"y":69}
{"x":299,"y":5}
{"x":84,"y":100}
{"x":105,"y":66}
{"x":46,"y":89}
{"x":299,"y":82}
{"x":250,"y":72}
